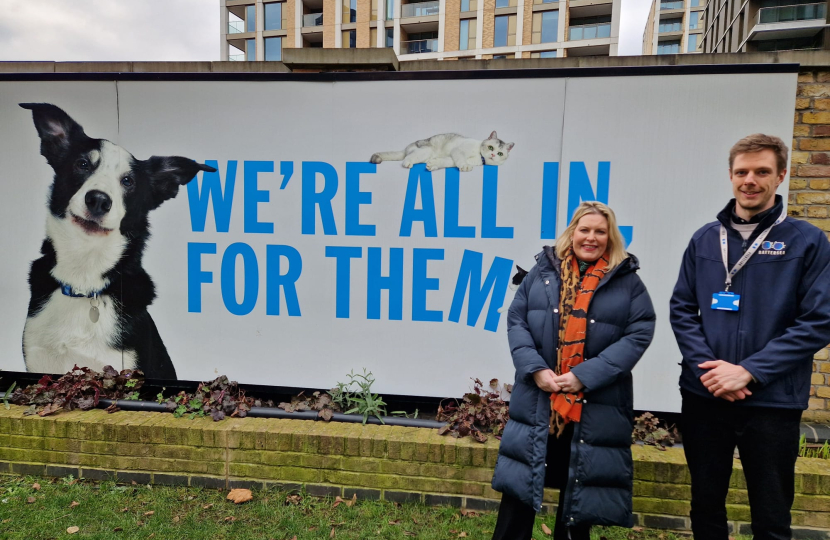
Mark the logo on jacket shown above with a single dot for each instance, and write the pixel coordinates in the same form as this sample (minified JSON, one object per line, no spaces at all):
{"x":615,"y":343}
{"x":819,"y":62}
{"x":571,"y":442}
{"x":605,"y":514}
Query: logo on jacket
{"x":772,"y":248}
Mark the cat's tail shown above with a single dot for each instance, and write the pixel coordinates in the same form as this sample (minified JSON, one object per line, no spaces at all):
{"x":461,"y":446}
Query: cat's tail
{"x":387,"y":156}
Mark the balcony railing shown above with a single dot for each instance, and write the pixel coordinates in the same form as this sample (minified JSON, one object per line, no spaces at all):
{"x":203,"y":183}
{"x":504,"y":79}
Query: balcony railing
{"x":313,"y":19}
{"x":665,"y":28}
{"x":419,"y":9}
{"x":672,"y":5}
{"x":236,"y":57}
{"x":800,"y":12}
{"x":236,"y":27}
{"x":589,"y":31}
{"x":419,"y":46}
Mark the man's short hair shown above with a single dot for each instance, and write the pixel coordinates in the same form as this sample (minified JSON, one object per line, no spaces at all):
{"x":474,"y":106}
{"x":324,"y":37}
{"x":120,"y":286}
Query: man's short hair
{"x":758,"y":142}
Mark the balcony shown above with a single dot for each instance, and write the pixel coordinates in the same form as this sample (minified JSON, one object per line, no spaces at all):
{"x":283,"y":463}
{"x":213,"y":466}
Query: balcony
{"x":419,"y":46}
{"x":589,"y":31}
{"x":236,"y":57}
{"x":236,"y":27}
{"x":419,"y":9}
{"x":801,"y":12}
{"x":789,"y":22}
{"x":677,"y":4}
{"x":313,"y":19}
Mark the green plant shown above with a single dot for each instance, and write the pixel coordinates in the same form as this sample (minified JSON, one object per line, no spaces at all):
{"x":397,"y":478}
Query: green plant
{"x":8,"y":394}
{"x":652,"y":431}
{"x":160,"y":395}
{"x":813,"y":450}
{"x":480,"y":412}
{"x":356,"y":396}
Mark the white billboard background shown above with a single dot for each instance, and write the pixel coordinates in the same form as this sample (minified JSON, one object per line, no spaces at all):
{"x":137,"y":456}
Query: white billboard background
{"x":666,"y":140}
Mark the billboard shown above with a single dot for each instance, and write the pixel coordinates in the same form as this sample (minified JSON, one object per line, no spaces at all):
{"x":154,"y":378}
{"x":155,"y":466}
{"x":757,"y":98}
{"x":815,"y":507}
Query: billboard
{"x":344,"y":221}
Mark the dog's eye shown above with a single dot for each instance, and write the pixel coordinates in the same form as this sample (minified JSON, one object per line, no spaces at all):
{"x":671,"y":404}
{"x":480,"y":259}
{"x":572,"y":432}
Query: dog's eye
{"x":82,"y":164}
{"x":127,"y":181}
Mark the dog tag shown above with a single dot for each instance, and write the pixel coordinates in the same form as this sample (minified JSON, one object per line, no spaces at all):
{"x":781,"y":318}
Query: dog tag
{"x":93,"y":314}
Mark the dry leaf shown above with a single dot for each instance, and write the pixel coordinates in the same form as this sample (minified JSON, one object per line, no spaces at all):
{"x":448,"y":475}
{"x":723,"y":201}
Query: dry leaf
{"x":462,"y":535}
{"x":176,"y":519}
{"x":239,"y":496}
{"x":30,"y":500}
{"x":125,"y":509}
{"x":207,"y":506}
{"x":337,"y":501}
{"x":151,"y":535}
{"x":73,"y":504}
{"x":313,"y":528}
{"x":408,"y":533}
{"x":546,"y":529}
{"x":395,"y":522}
{"x":72,"y":530}
{"x":331,"y":534}
{"x":150,"y":513}
{"x":36,"y":486}
{"x":352,"y":501}
{"x":117,"y":529}
{"x":230,"y":518}
{"x":637,"y":529}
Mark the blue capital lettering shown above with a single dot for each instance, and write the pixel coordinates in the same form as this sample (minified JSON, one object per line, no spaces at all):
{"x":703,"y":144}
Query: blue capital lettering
{"x":275,"y":280}
{"x":452,"y":204}
{"x":419,"y":175}
{"x":250,"y":278}
{"x":254,"y":196}
{"x":469,"y":276}
{"x":355,"y":198}
{"x":195,"y":275}
{"x":550,"y":199}
{"x":312,"y":199}
{"x":343,"y":255}
{"x":393,"y":283}
{"x":199,"y":194}
{"x":489,"y":205}
{"x":421,"y":284}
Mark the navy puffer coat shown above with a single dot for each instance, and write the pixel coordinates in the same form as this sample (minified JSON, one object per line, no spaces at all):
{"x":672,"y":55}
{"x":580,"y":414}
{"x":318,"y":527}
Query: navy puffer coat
{"x":620,"y":328}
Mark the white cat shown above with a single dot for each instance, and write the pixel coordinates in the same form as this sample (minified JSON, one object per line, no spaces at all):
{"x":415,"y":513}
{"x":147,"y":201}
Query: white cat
{"x":450,"y":150}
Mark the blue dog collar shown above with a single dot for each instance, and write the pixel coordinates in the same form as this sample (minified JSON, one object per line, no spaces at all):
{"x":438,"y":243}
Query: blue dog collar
{"x":483,"y":162}
{"x":67,"y":290}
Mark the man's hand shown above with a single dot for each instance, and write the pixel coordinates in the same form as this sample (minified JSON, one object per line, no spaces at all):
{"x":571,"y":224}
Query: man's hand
{"x":569,"y":383}
{"x":546,"y":380}
{"x":726,"y":380}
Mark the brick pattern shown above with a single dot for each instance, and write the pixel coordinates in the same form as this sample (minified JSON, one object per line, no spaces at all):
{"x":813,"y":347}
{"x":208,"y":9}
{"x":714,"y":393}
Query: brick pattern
{"x":329,"y":9}
{"x":375,"y":462}
{"x":288,"y":40}
{"x":364,"y":13}
{"x":452,"y":9}
{"x":810,"y":195}
{"x":488,"y":32}
{"x":527,"y":25}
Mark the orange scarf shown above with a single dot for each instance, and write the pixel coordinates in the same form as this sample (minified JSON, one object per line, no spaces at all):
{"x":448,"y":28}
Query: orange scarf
{"x":574,"y":299}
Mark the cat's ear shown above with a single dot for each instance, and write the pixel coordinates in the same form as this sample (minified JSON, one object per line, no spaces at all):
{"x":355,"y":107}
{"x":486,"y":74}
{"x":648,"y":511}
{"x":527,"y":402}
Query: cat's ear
{"x":510,"y":146}
{"x":493,"y":136}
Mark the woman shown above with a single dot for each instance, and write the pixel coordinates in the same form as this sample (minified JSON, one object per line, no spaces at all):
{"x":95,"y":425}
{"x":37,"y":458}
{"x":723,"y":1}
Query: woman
{"x":571,"y":420}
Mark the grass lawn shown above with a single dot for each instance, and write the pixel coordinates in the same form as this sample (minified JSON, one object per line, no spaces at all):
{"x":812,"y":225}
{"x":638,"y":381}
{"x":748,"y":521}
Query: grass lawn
{"x":41,"y":508}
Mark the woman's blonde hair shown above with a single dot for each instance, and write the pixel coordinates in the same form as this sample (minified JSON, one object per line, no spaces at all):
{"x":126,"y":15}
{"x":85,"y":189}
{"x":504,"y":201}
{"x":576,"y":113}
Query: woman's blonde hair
{"x":616,"y":244}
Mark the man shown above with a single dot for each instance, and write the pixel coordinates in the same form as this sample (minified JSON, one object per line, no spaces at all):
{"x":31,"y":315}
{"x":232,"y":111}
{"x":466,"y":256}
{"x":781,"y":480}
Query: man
{"x":750,"y":309}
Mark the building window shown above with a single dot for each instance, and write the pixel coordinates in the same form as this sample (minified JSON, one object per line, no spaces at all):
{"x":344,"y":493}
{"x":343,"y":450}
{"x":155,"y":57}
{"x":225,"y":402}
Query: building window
{"x":390,"y":37}
{"x":779,"y":11}
{"x":349,"y":39}
{"x":390,"y":9}
{"x":250,"y":18}
{"x":374,"y":15}
{"x":543,"y":54}
{"x":695,"y":20}
{"x":349,"y":11}
{"x":273,"y":49}
{"x":503,"y":56}
{"x":791,"y":44}
{"x":692,"y":43}
{"x":506,"y":3}
{"x":671,"y":4}
{"x":668,"y":47}
{"x":273,"y":16}
{"x":545,"y":27}
{"x":469,"y":5}
{"x":694,"y":3}
{"x":505,"y":30}
{"x":467,"y":35}
{"x":590,"y":28}
{"x":545,"y":1}
{"x":250,"y":50}
{"x":671,"y":25}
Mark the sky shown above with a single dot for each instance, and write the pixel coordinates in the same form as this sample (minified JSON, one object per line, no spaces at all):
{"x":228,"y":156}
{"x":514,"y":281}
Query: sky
{"x":157,"y":30}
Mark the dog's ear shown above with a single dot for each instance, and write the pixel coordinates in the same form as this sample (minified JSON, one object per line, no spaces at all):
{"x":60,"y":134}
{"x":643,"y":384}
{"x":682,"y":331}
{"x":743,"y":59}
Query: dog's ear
{"x":56,"y":130}
{"x":168,"y":173}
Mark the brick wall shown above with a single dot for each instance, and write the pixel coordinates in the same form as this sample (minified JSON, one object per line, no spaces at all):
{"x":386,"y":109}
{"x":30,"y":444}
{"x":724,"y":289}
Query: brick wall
{"x":810,"y":195}
{"x":379,"y":462}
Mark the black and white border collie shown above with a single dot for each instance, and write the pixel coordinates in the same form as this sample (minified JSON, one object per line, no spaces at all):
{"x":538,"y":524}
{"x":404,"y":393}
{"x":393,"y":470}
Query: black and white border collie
{"x":89,"y":293}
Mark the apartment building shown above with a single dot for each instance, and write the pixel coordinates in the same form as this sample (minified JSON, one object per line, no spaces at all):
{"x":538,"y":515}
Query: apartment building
{"x":674,"y":27}
{"x":253,"y":30}
{"x":765,"y":25}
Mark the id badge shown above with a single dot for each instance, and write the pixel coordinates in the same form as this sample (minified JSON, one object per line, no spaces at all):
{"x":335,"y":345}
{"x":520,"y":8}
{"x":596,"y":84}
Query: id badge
{"x":726,"y":301}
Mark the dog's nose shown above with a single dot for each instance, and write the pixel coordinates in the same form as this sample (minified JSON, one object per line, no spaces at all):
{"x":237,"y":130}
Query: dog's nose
{"x":98,"y":202}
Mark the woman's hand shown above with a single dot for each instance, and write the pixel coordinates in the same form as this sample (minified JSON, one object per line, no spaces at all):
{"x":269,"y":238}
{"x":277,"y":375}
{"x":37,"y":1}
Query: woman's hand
{"x":546,"y":380}
{"x":568,"y":383}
